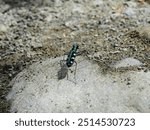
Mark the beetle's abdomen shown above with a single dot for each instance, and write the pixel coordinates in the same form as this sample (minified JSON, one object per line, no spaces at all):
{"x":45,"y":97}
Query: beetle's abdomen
{"x":70,"y":59}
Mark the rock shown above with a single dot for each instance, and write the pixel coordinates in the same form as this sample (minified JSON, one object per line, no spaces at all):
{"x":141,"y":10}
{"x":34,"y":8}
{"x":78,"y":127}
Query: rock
{"x":131,"y":4}
{"x":127,"y":62}
{"x":144,"y":31}
{"x":73,"y":23}
{"x":114,"y":16}
{"x":36,"y":43}
{"x":58,"y":3}
{"x":147,"y":10}
{"x":5,"y":8}
{"x":49,"y":18}
{"x":129,"y":12}
{"x":77,"y":8}
{"x":37,"y":89}
{"x":97,"y":2}
{"x":3,"y":28}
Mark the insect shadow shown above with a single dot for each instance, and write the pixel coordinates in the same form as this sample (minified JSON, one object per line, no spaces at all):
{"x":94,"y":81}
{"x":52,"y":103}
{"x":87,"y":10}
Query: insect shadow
{"x":63,"y":72}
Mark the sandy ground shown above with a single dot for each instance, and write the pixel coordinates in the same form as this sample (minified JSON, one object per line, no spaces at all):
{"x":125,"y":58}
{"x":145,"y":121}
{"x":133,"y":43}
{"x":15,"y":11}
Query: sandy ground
{"x":115,"y":36}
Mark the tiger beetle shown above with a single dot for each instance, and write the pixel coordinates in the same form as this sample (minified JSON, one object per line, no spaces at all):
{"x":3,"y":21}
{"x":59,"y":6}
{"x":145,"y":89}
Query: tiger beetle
{"x":70,"y":59}
{"x":71,"y":55}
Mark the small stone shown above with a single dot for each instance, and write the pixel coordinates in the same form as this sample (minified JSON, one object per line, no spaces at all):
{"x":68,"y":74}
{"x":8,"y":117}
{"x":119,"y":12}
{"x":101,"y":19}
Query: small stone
{"x":3,"y":28}
{"x":129,"y":12}
{"x":97,"y":3}
{"x":49,"y":18}
{"x":58,"y":3}
{"x":131,"y":4}
{"x":78,"y":9}
{"x":5,"y":8}
{"x":10,"y":75}
{"x":145,"y":70}
{"x":36,"y":43}
{"x":114,"y":16}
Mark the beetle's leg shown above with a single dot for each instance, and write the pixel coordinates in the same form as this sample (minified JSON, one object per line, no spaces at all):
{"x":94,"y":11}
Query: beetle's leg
{"x":75,"y":70}
{"x":67,"y":75}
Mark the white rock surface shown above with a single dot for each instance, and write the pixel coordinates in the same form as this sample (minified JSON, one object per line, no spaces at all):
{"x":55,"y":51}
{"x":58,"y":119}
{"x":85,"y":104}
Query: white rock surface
{"x":37,"y":89}
{"x":127,"y":62}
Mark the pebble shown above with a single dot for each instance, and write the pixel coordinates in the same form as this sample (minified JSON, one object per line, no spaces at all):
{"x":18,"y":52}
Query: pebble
{"x":3,"y":28}
{"x":78,"y":9}
{"x":114,"y":16}
{"x":5,"y":8}
{"x":131,"y":4}
{"x":49,"y":18}
{"x":58,"y":3}
{"x":129,"y":12}
{"x":97,"y":3}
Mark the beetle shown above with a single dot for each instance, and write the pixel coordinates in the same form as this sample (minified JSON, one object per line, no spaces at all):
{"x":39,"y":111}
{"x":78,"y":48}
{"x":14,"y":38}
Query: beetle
{"x":71,"y":55}
{"x":68,"y":62}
